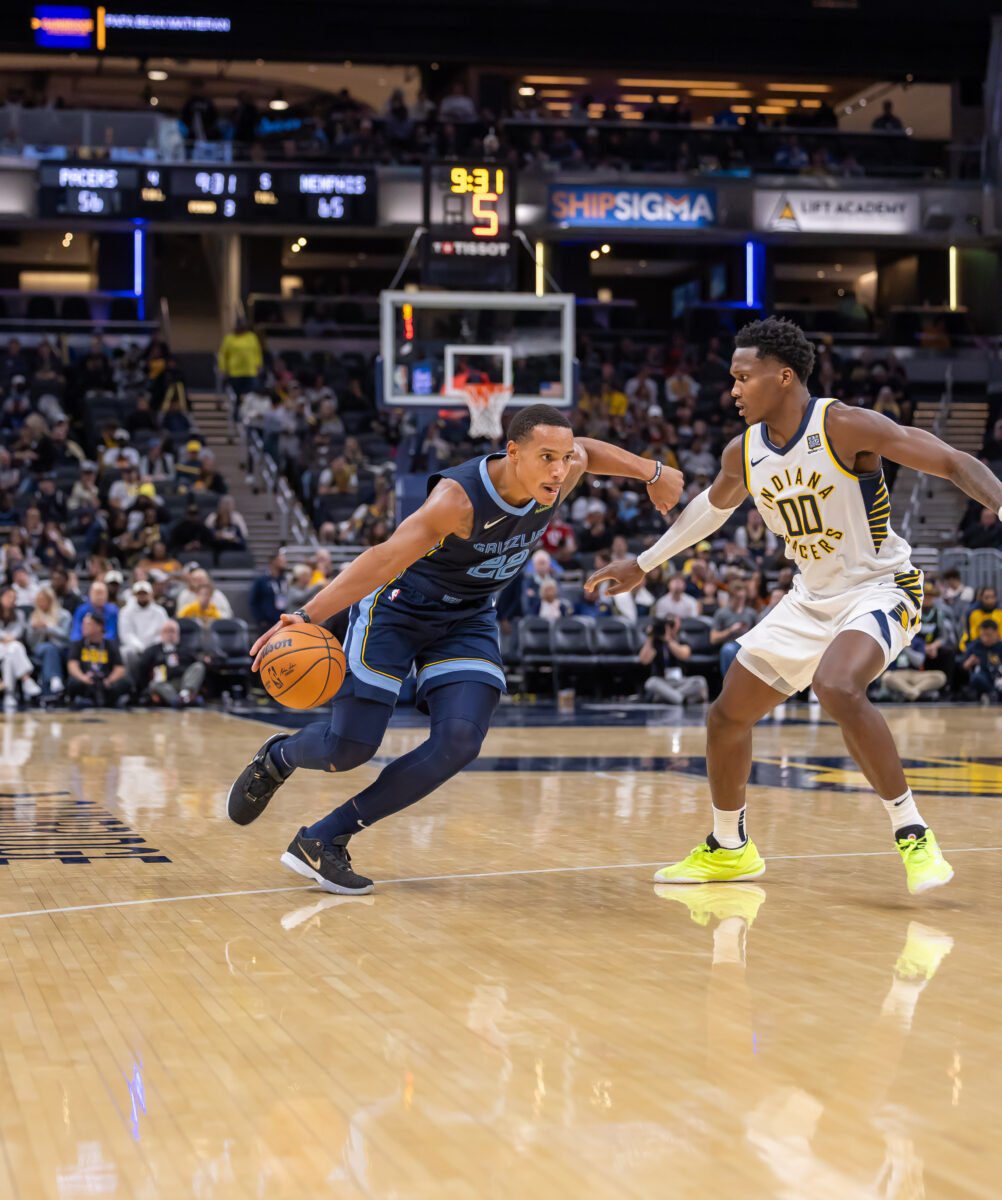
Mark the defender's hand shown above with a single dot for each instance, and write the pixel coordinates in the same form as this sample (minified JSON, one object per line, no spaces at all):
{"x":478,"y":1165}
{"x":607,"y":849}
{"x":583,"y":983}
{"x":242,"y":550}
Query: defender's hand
{"x":666,"y":490}
{"x":623,"y":577}
{"x":265,"y":638}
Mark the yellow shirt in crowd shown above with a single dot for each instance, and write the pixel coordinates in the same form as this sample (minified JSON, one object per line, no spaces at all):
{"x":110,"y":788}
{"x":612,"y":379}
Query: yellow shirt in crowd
{"x":240,"y":354}
{"x":198,"y":613}
{"x":974,"y":622}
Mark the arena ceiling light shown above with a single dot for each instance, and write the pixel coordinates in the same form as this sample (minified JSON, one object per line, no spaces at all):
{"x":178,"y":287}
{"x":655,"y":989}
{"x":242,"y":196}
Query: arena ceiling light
{"x":557,"y":93}
{"x":772,"y":110}
{"x":798,"y":87}
{"x":156,"y":76}
{"x":278,"y":103}
{"x":638,"y":97}
{"x":527,"y":91}
{"x":558,"y":80}
{"x":725,"y":93}
{"x":679,"y":83}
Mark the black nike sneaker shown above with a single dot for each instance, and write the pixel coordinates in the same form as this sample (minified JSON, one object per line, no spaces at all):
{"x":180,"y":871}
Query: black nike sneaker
{"x":329,"y":866}
{"x":255,"y":785}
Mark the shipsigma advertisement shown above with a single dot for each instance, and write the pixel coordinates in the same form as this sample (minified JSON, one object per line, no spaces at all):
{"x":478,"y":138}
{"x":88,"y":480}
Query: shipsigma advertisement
{"x":602,"y":206}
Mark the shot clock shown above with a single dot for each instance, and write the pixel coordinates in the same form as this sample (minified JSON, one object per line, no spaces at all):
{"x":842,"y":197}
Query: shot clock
{"x":469,"y":212}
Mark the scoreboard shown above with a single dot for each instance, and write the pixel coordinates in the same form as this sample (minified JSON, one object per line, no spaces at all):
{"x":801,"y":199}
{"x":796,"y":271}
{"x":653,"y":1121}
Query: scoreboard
{"x":469,"y":213}
{"x":105,"y":191}
{"x":224,"y":192}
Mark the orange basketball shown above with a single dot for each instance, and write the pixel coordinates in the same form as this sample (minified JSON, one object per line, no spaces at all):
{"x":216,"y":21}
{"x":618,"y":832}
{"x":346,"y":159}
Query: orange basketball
{"x":302,"y":666}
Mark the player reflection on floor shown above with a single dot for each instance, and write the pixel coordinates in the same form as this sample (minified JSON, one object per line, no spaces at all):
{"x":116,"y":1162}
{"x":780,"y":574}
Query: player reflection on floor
{"x":835,"y":1137}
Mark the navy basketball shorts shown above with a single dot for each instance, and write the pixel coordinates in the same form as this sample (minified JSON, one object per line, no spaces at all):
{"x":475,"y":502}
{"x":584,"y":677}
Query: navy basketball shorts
{"x":396,"y":628}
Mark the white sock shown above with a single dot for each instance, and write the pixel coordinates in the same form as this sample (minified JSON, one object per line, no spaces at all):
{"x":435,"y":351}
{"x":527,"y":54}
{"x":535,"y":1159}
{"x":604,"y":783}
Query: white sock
{"x":729,"y":941}
{"x":729,"y":827}
{"x":901,"y":1000}
{"x":903,"y":811}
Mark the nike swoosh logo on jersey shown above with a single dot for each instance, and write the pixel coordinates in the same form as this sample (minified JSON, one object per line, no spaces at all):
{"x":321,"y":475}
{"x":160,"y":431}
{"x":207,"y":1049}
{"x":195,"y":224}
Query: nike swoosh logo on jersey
{"x":491,"y":524}
{"x":756,"y":461}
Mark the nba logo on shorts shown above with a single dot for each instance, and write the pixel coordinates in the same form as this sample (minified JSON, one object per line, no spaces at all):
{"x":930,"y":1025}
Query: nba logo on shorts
{"x":813,"y":442}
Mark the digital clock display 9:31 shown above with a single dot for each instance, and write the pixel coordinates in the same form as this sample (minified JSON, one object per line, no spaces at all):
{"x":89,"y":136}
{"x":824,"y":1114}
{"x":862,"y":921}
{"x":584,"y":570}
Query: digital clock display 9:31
{"x":470,"y":200}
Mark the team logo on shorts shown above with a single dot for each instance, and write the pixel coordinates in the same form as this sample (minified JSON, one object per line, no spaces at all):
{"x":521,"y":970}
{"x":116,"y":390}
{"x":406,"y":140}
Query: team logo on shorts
{"x":394,"y":594}
{"x":813,"y":442}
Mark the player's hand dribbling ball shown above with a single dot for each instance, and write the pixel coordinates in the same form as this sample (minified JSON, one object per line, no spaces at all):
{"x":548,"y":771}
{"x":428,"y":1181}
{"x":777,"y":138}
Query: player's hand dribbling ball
{"x":301,"y":665}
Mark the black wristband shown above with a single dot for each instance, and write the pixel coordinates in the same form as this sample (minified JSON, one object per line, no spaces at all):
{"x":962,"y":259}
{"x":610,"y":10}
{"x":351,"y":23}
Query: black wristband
{"x":656,"y":476}
{"x":303,"y":615}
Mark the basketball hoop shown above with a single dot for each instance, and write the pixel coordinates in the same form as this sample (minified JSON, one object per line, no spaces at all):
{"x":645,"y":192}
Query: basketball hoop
{"x":486,"y":402}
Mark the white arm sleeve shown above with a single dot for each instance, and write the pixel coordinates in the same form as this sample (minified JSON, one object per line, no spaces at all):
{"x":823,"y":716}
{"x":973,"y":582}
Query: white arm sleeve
{"x":698,"y":520}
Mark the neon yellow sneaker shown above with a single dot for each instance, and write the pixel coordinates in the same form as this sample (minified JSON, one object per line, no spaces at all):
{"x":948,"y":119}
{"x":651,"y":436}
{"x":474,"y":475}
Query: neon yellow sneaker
{"x":925,"y":948}
{"x":925,"y":865}
{"x":705,"y":901}
{"x":714,"y":864}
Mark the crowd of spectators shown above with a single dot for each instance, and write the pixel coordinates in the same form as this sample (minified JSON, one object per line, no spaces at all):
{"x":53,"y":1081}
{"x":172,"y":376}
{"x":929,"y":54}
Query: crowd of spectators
{"x":102,"y":476}
{"x":588,"y":132}
{"x":104,"y":484}
{"x":666,"y":400}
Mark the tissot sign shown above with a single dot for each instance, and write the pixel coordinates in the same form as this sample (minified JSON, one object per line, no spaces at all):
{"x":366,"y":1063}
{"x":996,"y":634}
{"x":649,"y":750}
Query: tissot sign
{"x":795,"y":211}
{"x":598,"y":206}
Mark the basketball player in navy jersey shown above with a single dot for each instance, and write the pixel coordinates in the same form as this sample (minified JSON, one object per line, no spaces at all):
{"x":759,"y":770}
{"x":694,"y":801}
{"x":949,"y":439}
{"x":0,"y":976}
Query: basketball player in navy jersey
{"x":426,"y":598}
{"x":813,"y":468}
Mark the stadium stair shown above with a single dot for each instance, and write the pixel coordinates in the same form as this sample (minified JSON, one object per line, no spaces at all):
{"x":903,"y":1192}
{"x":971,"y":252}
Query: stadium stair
{"x":257,"y":507}
{"x":942,"y":504}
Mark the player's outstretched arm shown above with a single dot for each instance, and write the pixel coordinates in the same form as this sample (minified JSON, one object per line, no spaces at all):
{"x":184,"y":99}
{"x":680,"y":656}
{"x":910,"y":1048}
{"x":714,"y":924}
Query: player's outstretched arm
{"x":855,"y":431}
{"x":446,"y":511}
{"x":703,"y":515}
{"x":664,"y":484}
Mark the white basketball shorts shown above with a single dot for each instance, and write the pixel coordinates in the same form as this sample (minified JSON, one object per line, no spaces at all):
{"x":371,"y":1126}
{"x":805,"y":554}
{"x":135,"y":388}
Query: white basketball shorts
{"x":785,"y":648}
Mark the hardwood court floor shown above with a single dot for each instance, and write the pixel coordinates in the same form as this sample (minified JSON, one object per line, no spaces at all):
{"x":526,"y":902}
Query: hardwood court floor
{"x":516,"y":1012}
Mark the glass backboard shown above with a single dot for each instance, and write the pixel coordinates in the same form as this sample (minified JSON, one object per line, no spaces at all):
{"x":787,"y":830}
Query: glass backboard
{"x":432,"y":343}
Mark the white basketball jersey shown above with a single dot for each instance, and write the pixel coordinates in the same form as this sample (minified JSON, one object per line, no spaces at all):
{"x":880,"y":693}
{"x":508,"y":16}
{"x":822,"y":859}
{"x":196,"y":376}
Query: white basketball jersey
{"x":835,"y":524}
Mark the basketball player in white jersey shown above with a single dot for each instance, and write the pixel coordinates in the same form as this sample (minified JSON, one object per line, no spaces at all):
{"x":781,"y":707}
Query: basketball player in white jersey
{"x":813,"y":468}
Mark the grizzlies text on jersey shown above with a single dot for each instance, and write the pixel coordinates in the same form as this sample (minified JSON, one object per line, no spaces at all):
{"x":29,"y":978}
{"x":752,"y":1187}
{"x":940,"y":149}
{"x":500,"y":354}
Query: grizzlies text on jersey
{"x":438,"y":615}
{"x":502,"y":541}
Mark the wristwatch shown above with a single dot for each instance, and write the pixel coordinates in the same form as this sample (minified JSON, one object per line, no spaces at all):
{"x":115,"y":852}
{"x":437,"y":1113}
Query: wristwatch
{"x":303,"y":615}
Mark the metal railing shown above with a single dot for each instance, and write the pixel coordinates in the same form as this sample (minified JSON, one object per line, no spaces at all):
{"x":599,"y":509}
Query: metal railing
{"x":293,"y":524}
{"x":340,"y":555}
{"x":910,"y":519}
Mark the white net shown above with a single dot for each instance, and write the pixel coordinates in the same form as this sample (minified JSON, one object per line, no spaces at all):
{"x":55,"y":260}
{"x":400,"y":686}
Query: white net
{"x":486,"y":403}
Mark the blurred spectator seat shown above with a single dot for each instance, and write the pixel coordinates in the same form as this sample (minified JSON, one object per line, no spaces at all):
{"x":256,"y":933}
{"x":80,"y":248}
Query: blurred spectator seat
{"x":234,"y":560}
{"x":228,"y":647}
{"x":41,"y":308}
{"x":619,"y":672}
{"x":75,"y":308}
{"x":573,"y":652}
{"x":191,"y":639}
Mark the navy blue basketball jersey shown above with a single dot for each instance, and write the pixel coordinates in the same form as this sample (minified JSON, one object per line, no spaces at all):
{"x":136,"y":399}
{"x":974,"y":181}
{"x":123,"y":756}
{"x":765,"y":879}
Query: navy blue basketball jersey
{"x":459,"y":570}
